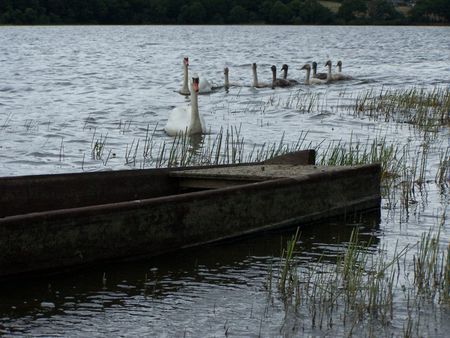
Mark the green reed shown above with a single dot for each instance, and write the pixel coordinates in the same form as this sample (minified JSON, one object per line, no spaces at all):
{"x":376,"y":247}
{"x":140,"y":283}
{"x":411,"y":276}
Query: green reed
{"x":361,"y":288}
{"x":443,"y":173}
{"x":391,"y":156}
{"x":226,"y":147}
{"x":287,"y":255}
{"x":426,"y":109}
{"x":432,"y":267}
{"x":98,"y":145}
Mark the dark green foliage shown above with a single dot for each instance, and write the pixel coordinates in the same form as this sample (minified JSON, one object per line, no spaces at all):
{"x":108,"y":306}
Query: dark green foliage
{"x":193,"y":13}
{"x":431,"y":11}
{"x":352,"y":9}
{"x":280,"y":14}
{"x":213,"y":12}
{"x":238,"y":14}
{"x":312,"y":12}
{"x":382,"y":10}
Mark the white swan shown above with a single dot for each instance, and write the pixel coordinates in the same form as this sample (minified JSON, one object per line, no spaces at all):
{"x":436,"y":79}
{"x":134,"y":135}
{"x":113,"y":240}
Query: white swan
{"x":185,"y":88}
{"x":285,"y":68}
{"x":278,"y":82}
{"x":311,"y":81}
{"x":205,"y":86}
{"x":322,"y":76}
{"x":339,"y":75}
{"x":255,"y":82}
{"x":186,"y":119}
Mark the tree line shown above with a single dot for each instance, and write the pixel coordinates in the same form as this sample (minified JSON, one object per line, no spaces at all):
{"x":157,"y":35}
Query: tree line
{"x":54,"y":12}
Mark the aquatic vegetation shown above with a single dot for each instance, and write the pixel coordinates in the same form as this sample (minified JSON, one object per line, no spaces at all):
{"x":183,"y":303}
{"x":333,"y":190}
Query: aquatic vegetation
{"x":389,"y":155}
{"x":366,"y":288}
{"x":443,"y":172}
{"x":225,"y":147}
{"x":425,"y":109}
{"x":98,"y":146}
{"x":287,"y":256}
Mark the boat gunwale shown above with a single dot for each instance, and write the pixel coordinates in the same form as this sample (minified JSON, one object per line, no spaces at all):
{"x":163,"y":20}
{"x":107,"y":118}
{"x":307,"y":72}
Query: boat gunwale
{"x":139,"y":203}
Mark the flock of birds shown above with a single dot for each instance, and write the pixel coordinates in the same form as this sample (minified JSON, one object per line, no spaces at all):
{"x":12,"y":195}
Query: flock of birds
{"x":187,"y":120}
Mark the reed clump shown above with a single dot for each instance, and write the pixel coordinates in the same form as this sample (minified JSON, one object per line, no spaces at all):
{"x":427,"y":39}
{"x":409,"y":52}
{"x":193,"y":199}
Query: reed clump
{"x":391,"y":156}
{"x":363,"y":289}
{"x":226,"y":147}
{"x":432,"y":267}
{"x":426,"y":109}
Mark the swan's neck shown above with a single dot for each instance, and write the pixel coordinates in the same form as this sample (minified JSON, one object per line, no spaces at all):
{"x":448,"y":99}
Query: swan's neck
{"x":308,"y":73}
{"x":329,"y":73}
{"x":195,"y":126}
{"x":285,"y":74}
{"x":255,"y":78}
{"x":185,"y":88}
{"x":227,"y":82}
{"x":314,"y":71}
{"x":274,"y":78}
{"x":339,"y":68}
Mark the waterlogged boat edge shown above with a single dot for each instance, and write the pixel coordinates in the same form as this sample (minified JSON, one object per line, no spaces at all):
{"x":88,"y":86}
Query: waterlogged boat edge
{"x":52,"y":240}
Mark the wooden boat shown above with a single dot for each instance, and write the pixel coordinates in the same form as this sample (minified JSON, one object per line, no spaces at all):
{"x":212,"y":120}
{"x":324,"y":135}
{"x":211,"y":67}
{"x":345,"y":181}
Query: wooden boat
{"x":53,"y":222}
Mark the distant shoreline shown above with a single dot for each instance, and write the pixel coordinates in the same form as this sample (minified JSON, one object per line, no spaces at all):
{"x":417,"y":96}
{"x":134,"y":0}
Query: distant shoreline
{"x":226,"y":12}
{"x":236,"y":25}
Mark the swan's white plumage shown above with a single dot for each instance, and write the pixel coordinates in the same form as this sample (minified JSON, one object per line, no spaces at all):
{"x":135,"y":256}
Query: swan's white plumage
{"x":205,"y":86}
{"x":179,"y":122}
{"x":186,"y":119}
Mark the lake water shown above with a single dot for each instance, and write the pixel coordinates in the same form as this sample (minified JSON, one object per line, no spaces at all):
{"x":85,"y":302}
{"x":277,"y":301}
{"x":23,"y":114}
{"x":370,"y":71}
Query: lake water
{"x":64,"y":88}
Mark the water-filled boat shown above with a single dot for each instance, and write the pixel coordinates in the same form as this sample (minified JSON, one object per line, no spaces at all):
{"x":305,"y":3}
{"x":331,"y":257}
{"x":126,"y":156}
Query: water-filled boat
{"x":54,"y":222}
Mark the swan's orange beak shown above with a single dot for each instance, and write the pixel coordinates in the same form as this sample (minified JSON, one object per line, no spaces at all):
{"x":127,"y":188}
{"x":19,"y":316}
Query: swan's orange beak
{"x":195,"y":82}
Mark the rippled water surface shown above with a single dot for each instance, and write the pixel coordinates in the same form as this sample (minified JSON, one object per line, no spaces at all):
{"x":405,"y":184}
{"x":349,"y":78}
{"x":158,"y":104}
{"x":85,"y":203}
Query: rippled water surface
{"x":62,"y":89}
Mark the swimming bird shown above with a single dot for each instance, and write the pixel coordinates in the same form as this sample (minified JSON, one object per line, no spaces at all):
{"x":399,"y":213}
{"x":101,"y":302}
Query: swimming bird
{"x":308,"y":79}
{"x":284,"y":69}
{"x":255,"y":82}
{"x":339,"y":75}
{"x":316,"y":75}
{"x":278,"y":82}
{"x":329,"y":75}
{"x":185,"y":88}
{"x":186,"y":119}
{"x":205,"y":86}
{"x":227,"y":83}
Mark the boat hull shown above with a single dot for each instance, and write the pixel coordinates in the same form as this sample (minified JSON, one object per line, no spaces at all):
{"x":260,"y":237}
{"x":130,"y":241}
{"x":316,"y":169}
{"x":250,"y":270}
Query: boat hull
{"x":56,"y":239}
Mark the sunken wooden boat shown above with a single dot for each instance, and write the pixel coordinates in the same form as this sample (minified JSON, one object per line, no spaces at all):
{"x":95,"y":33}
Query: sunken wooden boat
{"x":55,"y":222}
